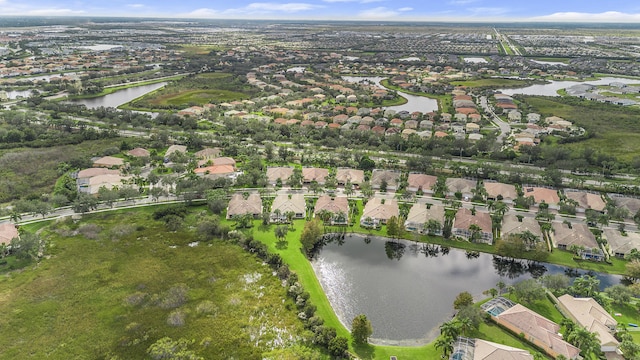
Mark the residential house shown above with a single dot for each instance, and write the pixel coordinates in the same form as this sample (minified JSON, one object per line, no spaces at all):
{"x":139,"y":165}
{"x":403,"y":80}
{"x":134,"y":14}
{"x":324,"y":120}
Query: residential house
{"x":216,"y":171}
{"x":462,"y":186}
{"x":533,"y":118}
{"x":419,"y":216}
{"x":588,"y":313}
{"x":586,"y":200}
{"x":139,"y":152}
{"x":464,"y":222}
{"x":312,"y":174}
{"x":241,"y":204}
{"x":564,"y":237}
{"x":472,"y":128}
{"x":378,"y":211}
{"x":173,"y":149}
{"x":8,"y":231}
{"x":477,"y":349}
{"x":338,"y":206}
{"x":208,"y":153}
{"x":93,"y":184}
{"x":108,"y":162}
{"x":629,"y":203}
{"x":513,"y":225}
{"x":388,"y":177}
{"x":499,"y":191}
{"x":540,"y":195}
{"x":621,"y":245}
{"x":355,"y":176}
{"x":288,"y":203}
{"x":421,"y":182}
{"x":278,"y":173}
{"x":536,"y":329}
{"x":515,"y":116}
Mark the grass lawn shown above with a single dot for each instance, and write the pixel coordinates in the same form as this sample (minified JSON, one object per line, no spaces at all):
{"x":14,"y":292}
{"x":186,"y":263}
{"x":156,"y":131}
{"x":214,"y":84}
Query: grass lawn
{"x":615,"y":129}
{"x":198,"y":97}
{"x":117,"y":282}
{"x":629,"y":314}
{"x":491,"y":83}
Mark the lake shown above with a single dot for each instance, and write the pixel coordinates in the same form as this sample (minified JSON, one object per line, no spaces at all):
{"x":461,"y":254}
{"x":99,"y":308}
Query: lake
{"x":551,"y":89}
{"x":407,"y":289}
{"x":119,"y":97}
{"x":414,"y":103}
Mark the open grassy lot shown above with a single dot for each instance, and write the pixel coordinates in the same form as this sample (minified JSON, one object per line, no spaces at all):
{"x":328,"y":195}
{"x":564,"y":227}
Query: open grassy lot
{"x":615,"y":129}
{"x":196,"y":90}
{"x":26,"y":171}
{"x":116,"y":283}
{"x":491,"y":83}
{"x":198,"y":97}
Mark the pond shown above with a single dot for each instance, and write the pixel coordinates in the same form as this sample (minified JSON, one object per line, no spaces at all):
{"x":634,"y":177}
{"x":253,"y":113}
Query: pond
{"x":119,"y":97}
{"x":407,"y":289}
{"x":551,"y":89}
{"x":414,"y":103}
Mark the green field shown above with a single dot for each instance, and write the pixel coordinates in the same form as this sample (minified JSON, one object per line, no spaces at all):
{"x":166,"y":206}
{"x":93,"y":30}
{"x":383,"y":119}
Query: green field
{"x":198,"y":97}
{"x":491,"y":83}
{"x":194,"y":90}
{"x":116,"y":283}
{"x":615,"y":129}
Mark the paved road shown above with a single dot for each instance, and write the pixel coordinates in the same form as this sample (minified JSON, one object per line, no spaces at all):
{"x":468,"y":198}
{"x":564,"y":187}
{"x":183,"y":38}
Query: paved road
{"x":505,"y":128}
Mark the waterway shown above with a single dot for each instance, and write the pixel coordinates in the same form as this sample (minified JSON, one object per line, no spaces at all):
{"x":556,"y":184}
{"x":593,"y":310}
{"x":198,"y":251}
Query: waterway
{"x":119,"y":97}
{"x":407,"y":289}
{"x":551,"y":88}
{"x":414,"y":103}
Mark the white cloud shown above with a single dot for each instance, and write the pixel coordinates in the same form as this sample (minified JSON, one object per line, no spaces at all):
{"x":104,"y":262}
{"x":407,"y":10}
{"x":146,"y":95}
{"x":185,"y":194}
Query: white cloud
{"x":202,"y":13}
{"x":135,"y":6}
{"x":370,"y":1}
{"x":378,"y":13}
{"x":358,"y":1}
{"x":405,"y":9}
{"x":608,"y":16}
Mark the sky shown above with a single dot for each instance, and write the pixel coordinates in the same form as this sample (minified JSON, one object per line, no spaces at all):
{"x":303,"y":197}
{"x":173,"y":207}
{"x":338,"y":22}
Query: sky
{"x":380,"y":10}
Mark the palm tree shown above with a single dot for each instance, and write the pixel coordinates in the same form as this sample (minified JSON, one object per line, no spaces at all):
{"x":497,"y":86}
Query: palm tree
{"x":433,"y":226}
{"x":446,"y":344}
{"x":466,"y":325}
{"x":587,"y":341}
{"x":475,"y":232}
{"x":450,"y":329}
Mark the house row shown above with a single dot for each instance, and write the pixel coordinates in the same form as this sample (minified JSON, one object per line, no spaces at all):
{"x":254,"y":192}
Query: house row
{"x":535,"y":328}
{"x":286,"y":205}
{"x":89,"y":181}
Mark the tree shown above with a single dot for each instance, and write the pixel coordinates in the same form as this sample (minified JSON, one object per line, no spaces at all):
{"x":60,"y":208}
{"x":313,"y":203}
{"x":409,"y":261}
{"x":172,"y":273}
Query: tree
{"x":450,"y":329}
{"x":26,"y":246}
{"x":84,"y":203}
{"x":310,"y":236}
{"x":361,"y":329}
{"x":633,"y":270}
{"x":528,"y":291}
{"x":281,"y":232}
{"x":619,"y":294}
{"x":433,"y":227}
{"x":157,"y":192}
{"x":475,"y":232}
{"x":586,"y":341}
{"x":392,"y":227}
{"x":585,"y":286}
{"x":108,"y":196}
{"x":440,"y":187}
{"x":446,"y":344}
{"x":555,"y":282}
{"x":462,"y":300}
{"x":338,"y":346}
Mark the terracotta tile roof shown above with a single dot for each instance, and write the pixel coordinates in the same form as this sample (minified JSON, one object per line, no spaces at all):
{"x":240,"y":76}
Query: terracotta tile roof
{"x":579,"y":234}
{"x":588,"y":313}
{"x":375,"y":209}
{"x":549,"y":196}
{"x":8,"y":231}
{"x":587,"y":200}
{"x":464,"y":219}
{"x":332,"y":204}
{"x":538,"y":327}
{"x":238,"y":205}
{"x":421,"y":181}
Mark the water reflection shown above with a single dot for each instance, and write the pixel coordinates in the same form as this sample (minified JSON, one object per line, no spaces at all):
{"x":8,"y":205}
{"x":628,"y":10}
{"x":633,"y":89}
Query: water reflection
{"x":407,"y":289}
